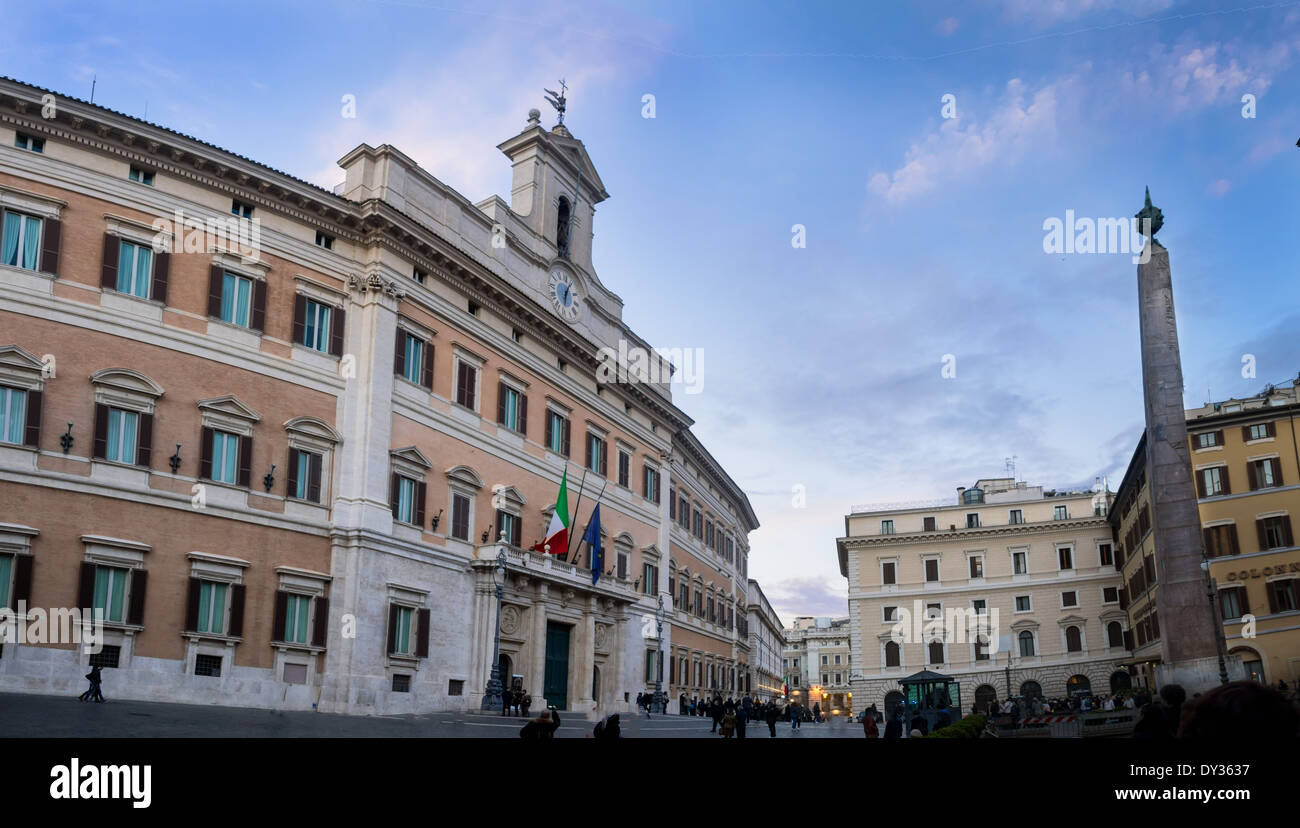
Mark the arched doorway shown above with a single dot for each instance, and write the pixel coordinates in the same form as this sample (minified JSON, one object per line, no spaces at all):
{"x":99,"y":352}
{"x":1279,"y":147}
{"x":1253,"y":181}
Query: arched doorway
{"x":503,"y":666}
{"x":1078,"y":685}
{"x":1031,"y":690}
{"x":1251,"y":660}
{"x":984,"y":694}
{"x":1120,"y":680}
{"x":893,"y":701}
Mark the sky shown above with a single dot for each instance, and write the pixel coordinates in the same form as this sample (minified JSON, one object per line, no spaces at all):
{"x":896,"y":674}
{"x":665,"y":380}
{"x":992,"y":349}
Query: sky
{"x":920,"y":335}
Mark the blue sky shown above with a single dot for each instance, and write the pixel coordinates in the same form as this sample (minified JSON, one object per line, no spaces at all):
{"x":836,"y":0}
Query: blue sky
{"x":924,"y":234}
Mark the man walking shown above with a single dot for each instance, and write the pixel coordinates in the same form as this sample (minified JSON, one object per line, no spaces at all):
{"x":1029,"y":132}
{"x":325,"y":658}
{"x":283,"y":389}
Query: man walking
{"x":93,"y":692}
{"x":771,"y":719}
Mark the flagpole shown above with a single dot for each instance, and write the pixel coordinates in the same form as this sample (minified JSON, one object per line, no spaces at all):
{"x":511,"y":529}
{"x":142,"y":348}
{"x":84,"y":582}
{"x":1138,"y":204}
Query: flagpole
{"x":581,"y":483}
{"x":584,"y":531}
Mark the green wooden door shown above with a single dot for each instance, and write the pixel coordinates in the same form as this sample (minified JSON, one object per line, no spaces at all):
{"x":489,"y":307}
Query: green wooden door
{"x":556,"y":682}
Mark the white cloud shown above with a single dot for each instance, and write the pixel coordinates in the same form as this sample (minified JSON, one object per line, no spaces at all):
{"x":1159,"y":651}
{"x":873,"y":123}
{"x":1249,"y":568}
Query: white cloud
{"x":1219,"y":188}
{"x":947,"y":26}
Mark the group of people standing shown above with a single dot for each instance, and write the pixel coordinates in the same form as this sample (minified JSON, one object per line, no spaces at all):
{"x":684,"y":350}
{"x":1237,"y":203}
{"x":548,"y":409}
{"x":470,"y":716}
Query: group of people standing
{"x":731,"y":717}
{"x":515,"y":700}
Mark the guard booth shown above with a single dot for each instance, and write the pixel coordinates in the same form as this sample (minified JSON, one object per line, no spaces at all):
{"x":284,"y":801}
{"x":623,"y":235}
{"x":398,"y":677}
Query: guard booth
{"x":931,"y":696}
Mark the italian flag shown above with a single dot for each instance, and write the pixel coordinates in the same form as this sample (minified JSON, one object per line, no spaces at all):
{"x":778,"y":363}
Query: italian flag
{"x":557,"y":534}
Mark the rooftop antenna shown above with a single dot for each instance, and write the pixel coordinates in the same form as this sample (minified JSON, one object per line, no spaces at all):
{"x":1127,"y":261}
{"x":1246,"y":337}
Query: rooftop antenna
{"x":93,"y":78}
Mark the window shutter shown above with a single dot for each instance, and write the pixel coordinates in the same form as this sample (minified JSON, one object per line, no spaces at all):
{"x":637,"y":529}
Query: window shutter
{"x":215,"y":278}
{"x":399,"y":354}
{"x":426,"y":378}
{"x":471,"y":391}
{"x":257,"y":319}
{"x":1250,"y":475}
{"x":108,"y":273}
{"x":281,"y":617}
{"x":1223,"y":477}
{"x":1128,"y":639}
{"x":52,"y":231}
{"x":394,"y":492}
{"x":590,"y":440}
{"x":300,"y":319}
{"x":321,"y":623}
{"x":1243,"y":595}
{"x":392,"y":627}
{"x":1272,"y":597}
{"x":523,"y":414}
{"x":604,"y":457}
{"x":205,"y":454}
{"x":101,"y":431}
{"x":1287,"y":539}
{"x":496,"y":532}
{"x":1218,"y":437}
{"x":1263,"y":535}
{"x":1233,"y":547}
{"x":460,"y":517}
{"x":1272,"y":428}
{"x":1277,"y":470}
{"x":292,"y":481}
{"x":550,"y":426}
{"x":86,"y":586}
{"x":161,"y":268}
{"x":420,"y":491}
{"x":422,"y":635}
{"x":501,"y":402}
{"x":1200,"y":483}
{"x":192,"y":606}
{"x":1207,"y":538}
{"x":32,"y":427}
{"x":245,"y":461}
{"x":314,"y":463}
{"x":22,"y":580}
{"x":144,"y":441}
{"x":139,"y":582}
{"x":236,"y":611}
{"x":1245,"y":433}
{"x":337,"y":317}
{"x":566,"y":437}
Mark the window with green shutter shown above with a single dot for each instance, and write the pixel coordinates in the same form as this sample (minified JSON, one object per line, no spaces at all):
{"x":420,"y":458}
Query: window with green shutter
{"x":110,"y":592}
{"x":297,"y":609}
{"x":212,"y":607}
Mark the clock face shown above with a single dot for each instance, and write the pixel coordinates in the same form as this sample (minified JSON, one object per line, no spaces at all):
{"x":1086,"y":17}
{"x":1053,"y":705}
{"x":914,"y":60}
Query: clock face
{"x":564,"y":294}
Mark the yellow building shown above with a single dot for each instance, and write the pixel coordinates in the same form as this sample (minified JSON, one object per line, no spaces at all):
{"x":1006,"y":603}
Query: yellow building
{"x":1246,"y":465}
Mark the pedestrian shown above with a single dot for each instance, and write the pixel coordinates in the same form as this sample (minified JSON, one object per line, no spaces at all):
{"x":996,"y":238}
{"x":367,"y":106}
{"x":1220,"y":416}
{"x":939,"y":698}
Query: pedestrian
{"x":869,"y":727}
{"x":543,"y":727}
{"x":795,"y":715}
{"x":526,"y":703}
{"x":93,"y":693}
{"x":817,"y":712}
{"x":742,"y":718}
{"x":715,"y":712}
{"x":771,"y":716}
{"x":607,"y":728}
{"x":894,"y":730}
{"x":728,"y":725}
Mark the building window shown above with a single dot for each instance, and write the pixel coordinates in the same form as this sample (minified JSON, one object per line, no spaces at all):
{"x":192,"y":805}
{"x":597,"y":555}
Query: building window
{"x":13,"y":415}
{"x":557,"y":433}
{"x":1017,"y":516}
{"x":419,"y":275}
{"x":241,"y":209}
{"x":973,"y":520}
{"x":403,"y":619}
{"x":305,"y":471}
{"x":887,"y":573}
{"x":932,"y":570}
{"x":109,"y":656}
{"x":316,"y":326}
{"x":1023,"y":603}
{"x":466,"y":385}
{"x":976,"y":566}
{"x":972,"y":496}
{"x":928,"y":524}
{"x":886,"y":527}
{"x":460,"y":516}
{"x":1104,"y":555}
{"x":1073,"y":640}
{"x":1265,"y":474}
{"x":207,"y":665}
{"x":141,"y":175}
{"x":1070,"y":599}
{"x":325,"y":241}
{"x":1259,"y":431}
{"x":225,"y":457}
{"x":29,"y":142}
{"x":936,"y":652}
{"x":1282,"y":595}
{"x":650,"y":579}
{"x":1208,"y":439}
{"x":1114,"y":634}
{"x":120,"y":443}
{"x":596,"y":449}
{"x":1065,"y":556}
{"x":134,"y":269}
{"x":236,"y":299}
{"x":1060,"y":513}
{"x":110,"y":592}
{"x":1274,"y":532}
{"x":651,"y":484}
{"x":1211,"y":482}
{"x":212,"y":607}
{"x":1110,"y":595}
{"x":510,"y":409}
{"x":414,"y":359}
{"x":21,"y":241}
{"x":1026,"y":639}
{"x":297,"y":610}
{"x":406,"y":499}
{"x":509,"y":526}
{"x":625,"y":473}
{"x":1232,"y":601}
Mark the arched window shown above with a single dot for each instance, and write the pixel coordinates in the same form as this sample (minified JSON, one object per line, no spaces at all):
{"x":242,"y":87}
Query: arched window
{"x":984,"y":695}
{"x":1078,"y":686}
{"x":893,"y":702}
{"x":1115,"y":634}
{"x":936,"y":652}
{"x":1026,"y":643}
{"x":562,"y":228}
{"x":1031,"y":690}
{"x":892,"y":654}
{"x":1073,"y":640}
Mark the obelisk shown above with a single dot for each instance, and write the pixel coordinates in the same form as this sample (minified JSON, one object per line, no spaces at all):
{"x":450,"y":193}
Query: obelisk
{"x":1188,"y":625}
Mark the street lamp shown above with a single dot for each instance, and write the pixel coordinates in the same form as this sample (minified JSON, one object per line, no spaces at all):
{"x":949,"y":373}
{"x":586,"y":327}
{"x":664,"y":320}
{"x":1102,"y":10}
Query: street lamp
{"x":659,"y":657}
{"x":492,"y":696}
{"x":1214,"y":619}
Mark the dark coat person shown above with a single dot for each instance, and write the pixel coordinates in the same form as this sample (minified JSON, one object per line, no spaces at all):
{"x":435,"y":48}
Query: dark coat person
{"x":894,"y":730}
{"x":543,"y":727}
{"x":95,"y":677}
{"x":772,"y":715}
{"x":607,"y":728}
{"x":869,"y":727}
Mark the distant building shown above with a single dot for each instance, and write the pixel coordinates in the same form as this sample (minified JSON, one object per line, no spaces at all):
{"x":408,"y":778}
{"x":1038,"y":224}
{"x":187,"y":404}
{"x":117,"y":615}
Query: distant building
{"x":817,"y":658}
{"x":1033,"y":570}
{"x":766,"y":644}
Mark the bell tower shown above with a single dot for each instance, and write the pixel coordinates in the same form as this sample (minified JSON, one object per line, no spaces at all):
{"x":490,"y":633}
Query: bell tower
{"x":555,"y":188}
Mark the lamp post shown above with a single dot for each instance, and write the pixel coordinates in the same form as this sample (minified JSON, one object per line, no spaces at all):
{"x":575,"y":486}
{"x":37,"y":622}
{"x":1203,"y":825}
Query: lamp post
{"x":492,"y":695}
{"x":659,"y":657}
{"x":1214,"y":617}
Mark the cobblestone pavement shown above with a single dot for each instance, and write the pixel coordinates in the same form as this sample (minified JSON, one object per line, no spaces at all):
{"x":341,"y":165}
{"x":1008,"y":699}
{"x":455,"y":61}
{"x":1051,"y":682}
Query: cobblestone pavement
{"x":33,"y":716}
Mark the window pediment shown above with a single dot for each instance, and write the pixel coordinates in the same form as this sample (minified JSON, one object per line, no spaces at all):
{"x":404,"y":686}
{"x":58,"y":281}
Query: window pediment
{"x":229,"y":406}
{"x":410,"y":459}
{"x":465,"y":476}
{"x":511,"y":496}
{"x":21,"y":369}
{"x":313,"y":428}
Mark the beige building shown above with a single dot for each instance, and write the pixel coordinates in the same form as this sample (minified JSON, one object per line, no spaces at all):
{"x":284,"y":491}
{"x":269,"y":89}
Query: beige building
{"x":1032,"y":570}
{"x":765,"y":645}
{"x":818,"y":660}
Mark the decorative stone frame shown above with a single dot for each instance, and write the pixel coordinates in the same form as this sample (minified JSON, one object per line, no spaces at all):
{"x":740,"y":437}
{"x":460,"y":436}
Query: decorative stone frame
{"x":1030,"y":626}
{"x":220,"y":569}
{"x":461,"y":354}
{"x":926,"y":583}
{"x":1081,"y":623}
{"x":319,"y":437}
{"x":506,"y":499}
{"x":465,"y":482}
{"x":228,"y":414}
{"x":1074,"y":552}
{"x":34,"y":204}
{"x":15,"y":540}
{"x":158,"y":239}
{"x":1107,"y":618}
{"x":884,"y":639}
{"x":880,"y":573}
{"x":412,"y":598}
{"x":19,"y":369}
{"x":983,"y":555}
{"x":126,"y":389}
{"x":1011,"y":555}
{"x":313,"y":585}
{"x":122,"y":554}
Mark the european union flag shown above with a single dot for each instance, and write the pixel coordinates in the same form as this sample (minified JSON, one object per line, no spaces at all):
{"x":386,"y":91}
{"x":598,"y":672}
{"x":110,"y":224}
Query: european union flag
{"x":592,"y":537}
